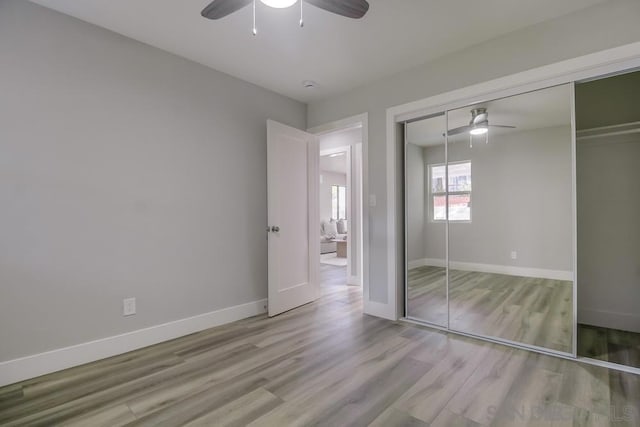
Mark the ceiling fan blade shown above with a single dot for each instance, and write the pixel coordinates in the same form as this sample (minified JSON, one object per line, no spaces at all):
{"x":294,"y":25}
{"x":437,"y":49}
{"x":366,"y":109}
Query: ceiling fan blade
{"x":220,"y":8}
{"x":502,"y":126}
{"x":355,"y":9}
{"x":461,"y":129}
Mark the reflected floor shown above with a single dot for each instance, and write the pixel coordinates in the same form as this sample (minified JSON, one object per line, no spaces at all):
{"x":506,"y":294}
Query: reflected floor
{"x":427,"y":295}
{"x":530,"y":310}
{"x":609,"y":345}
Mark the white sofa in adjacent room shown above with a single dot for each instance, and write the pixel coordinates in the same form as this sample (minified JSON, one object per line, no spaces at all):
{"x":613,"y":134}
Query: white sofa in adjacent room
{"x":331,"y":230}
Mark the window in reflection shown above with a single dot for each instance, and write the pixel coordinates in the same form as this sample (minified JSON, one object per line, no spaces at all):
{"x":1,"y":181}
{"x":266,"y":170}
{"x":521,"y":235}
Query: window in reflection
{"x":459,"y":192}
{"x":511,"y":268}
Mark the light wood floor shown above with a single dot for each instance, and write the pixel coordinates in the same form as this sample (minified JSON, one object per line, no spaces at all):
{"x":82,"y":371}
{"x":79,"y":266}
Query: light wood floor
{"x":610,"y":345}
{"x":523,"y":309}
{"x":326,"y":364}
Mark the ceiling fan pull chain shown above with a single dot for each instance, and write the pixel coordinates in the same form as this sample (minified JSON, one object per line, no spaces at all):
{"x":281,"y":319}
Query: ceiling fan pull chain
{"x":301,"y":20}
{"x":255,"y":30}
{"x":486,"y":137}
{"x":470,"y":141}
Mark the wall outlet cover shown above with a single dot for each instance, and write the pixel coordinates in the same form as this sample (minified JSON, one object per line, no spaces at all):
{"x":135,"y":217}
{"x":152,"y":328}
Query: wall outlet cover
{"x":129,"y":306}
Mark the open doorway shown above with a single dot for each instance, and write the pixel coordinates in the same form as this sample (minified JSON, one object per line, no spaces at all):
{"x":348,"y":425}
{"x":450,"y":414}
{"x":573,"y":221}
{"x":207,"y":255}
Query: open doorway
{"x":340,"y":206}
{"x":608,"y":244}
{"x":334,"y":221}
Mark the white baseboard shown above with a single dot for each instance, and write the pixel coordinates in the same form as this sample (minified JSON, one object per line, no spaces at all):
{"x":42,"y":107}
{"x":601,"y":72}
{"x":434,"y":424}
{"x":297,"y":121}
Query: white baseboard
{"x":24,"y":368}
{"x":609,"y":319}
{"x":496,"y":269}
{"x":379,"y":309}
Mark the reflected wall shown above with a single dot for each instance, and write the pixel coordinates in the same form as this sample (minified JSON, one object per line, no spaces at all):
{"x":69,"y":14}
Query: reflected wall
{"x":426,"y":290}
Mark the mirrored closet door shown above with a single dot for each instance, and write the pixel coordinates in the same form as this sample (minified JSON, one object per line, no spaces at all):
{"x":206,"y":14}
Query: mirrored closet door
{"x":503,"y":221}
{"x":510,"y":219}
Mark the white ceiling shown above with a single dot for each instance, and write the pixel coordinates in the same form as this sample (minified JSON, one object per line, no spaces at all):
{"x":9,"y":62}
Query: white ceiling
{"x":534,"y":110}
{"x":338,"y":53}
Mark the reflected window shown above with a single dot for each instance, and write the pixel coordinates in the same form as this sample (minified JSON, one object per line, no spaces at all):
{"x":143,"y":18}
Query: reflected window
{"x":339,"y":202}
{"x":459,"y":191}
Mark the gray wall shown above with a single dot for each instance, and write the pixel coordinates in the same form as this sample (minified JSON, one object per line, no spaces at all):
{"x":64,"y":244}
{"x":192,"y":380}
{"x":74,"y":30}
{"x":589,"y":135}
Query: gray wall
{"x":520,"y":201}
{"x":124,"y":172}
{"x":435,"y":245}
{"x":329,"y":179}
{"x":603,"y":26}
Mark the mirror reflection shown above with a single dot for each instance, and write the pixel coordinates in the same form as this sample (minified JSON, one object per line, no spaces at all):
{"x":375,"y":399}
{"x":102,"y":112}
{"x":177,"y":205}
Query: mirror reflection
{"x":510,"y":219}
{"x":426,"y":215}
{"x":489,"y":219}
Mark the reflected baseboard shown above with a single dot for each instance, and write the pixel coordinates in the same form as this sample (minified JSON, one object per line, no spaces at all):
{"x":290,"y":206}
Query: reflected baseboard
{"x":494,"y":268}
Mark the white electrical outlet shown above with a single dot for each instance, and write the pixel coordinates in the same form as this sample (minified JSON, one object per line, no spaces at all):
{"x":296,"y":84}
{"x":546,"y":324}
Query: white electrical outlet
{"x":372,"y":200}
{"x":128,"y":306}
{"x":514,"y":255}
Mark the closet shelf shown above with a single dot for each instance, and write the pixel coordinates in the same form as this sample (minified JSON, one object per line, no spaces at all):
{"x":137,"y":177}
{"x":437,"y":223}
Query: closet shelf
{"x":613,"y":130}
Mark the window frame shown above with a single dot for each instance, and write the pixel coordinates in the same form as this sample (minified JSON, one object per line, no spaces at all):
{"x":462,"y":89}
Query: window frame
{"x":447,"y":193}
{"x":338,"y":201}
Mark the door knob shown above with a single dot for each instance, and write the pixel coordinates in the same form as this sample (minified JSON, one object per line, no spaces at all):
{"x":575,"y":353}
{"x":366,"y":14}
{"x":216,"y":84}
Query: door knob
{"x":275,"y":229}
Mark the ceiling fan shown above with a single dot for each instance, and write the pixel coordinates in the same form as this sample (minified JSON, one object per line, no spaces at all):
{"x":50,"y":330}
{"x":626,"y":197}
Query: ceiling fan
{"x":350,"y":8}
{"x":479,"y":125}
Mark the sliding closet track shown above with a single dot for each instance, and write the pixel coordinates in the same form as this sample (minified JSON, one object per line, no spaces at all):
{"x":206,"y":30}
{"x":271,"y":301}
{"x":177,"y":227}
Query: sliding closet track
{"x":535,"y":349}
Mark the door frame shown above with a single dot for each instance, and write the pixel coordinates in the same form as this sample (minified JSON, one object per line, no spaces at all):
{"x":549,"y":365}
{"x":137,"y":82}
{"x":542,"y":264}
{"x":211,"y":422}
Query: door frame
{"x":595,"y":65}
{"x":358,"y":121}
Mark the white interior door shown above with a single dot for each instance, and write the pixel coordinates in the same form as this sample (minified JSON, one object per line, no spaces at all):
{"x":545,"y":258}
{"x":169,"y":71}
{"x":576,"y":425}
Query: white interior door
{"x":294,"y":217}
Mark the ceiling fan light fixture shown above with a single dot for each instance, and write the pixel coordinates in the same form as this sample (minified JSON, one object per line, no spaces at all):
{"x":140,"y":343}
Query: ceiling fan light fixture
{"x":481,"y":130}
{"x":279,"y":4}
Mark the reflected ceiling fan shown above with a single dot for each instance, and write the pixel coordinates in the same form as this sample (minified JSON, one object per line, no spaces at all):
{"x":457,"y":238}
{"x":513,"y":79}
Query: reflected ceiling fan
{"x":355,"y":9}
{"x":479,"y":125}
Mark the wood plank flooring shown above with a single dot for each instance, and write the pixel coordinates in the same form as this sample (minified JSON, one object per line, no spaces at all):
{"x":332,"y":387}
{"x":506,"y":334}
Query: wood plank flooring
{"x":523,"y":309}
{"x":610,"y":345}
{"x":326,"y":364}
